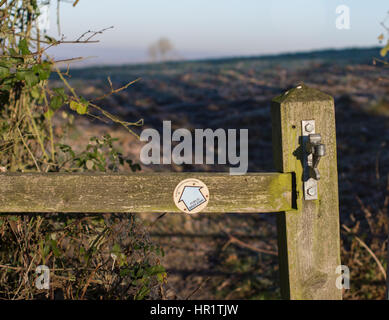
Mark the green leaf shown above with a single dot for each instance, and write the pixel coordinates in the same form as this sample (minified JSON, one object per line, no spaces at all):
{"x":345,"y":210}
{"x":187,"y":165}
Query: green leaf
{"x":42,"y":70}
{"x":5,"y":64}
{"x":73,"y":105}
{"x":79,"y":107}
{"x":156,"y":270}
{"x":35,"y":94}
{"x":4,"y":72}
{"x":28,"y":76}
{"x":23,"y":47}
{"x":124,"y":272}
{"x":60,"y":92}
{"x":45,"y":71}
{"x":20,"y":75}
{"x":54,"y":248}
{"x":144,"y":291}
{"x":49,"y":114}
{"x":385,"y":50}
{"x":82,"y":250}
{"x":161,"y":277}
{"x":16,"y":61}
{"x":46,"y":250}
{"x":56,"y":102}
{"x":12,"y":52}
{"x":31,"y":78}
{"x":140,"y":273}
{"x":116,"y":248}
{"x":67,"y":149}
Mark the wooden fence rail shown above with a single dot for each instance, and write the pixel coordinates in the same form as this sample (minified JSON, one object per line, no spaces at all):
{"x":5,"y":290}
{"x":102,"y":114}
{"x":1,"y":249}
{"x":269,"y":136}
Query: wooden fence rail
{"x":153,"y":192}
{"x":308,"y":228}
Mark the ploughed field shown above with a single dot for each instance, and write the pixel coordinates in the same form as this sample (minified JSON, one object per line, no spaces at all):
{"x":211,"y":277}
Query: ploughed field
{"x":234,"y":256}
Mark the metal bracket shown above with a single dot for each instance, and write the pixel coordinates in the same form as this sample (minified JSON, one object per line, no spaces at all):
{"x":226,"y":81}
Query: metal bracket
{"x":313,"y":150}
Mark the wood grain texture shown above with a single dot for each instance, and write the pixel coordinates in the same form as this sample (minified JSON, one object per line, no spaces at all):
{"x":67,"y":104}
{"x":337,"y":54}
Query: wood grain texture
{"x":65,"y":192}
{"x":309,"y":236}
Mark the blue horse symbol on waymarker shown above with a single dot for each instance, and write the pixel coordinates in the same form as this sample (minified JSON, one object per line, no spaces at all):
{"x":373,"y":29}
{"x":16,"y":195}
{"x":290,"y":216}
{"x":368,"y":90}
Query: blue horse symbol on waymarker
{"x":192,"y":197}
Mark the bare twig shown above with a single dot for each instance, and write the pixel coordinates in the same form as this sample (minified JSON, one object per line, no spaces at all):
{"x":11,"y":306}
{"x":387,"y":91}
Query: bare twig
{"x":74,"y":279}
{"x":157,"y":219}
{"x":113,"y":91}
{"x":93,"y":34}
{"x":375,"y":60}
{"x":363,"y":244}
{"x":67,"y":61}
{"x":240,"y":243}
{"x":198,"y":288}
{"x":89,"y":280}
{"x":29,"y":151}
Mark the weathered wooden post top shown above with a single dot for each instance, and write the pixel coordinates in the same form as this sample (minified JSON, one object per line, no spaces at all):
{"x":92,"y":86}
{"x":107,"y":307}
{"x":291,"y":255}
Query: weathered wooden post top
{"x":308,"y":236}
{"x":303,"y":192}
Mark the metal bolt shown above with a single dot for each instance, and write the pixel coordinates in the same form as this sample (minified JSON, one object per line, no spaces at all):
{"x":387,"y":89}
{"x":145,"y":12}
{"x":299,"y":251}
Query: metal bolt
{"x":311,"y":191}
{"x":309,"y":127}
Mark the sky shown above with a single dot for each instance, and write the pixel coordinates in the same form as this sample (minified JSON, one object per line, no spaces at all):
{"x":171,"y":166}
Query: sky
{"x":201,"y":29}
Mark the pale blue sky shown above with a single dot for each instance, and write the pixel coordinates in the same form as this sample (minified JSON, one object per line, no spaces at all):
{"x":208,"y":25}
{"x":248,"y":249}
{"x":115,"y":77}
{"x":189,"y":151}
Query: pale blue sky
{"x":215,"y":28}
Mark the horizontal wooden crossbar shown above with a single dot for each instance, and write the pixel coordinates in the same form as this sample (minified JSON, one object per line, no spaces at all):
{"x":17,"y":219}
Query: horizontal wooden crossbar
{"x":147,"y":192}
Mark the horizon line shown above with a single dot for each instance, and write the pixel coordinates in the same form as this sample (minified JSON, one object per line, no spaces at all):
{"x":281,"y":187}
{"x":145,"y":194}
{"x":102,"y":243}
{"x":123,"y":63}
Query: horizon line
{"x":227,"y":57}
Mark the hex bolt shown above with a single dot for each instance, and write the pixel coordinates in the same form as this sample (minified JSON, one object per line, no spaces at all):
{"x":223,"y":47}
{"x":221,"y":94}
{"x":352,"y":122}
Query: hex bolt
{"x":309,"y":127}
{"x":311,"y":191}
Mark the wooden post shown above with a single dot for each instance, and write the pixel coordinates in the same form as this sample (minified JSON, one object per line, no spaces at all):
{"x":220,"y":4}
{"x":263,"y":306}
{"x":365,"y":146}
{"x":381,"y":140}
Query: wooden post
{"x":309,"y":235}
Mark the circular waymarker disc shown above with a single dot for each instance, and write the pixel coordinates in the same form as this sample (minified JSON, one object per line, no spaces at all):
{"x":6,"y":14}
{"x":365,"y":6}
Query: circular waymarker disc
{"x":191,"y":195}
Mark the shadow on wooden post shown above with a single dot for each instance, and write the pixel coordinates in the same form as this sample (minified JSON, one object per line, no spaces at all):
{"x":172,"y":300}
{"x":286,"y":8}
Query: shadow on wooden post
{"x":309,"y":235}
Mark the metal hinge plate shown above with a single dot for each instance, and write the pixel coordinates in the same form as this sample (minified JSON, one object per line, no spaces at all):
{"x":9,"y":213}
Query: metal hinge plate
{"x":310,"y":184}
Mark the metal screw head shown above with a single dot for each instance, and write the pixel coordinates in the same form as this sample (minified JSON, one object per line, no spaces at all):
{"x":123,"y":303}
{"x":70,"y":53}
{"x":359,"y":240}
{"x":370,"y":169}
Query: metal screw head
{"x":311,"y":191}
{"x":309,"y":127}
